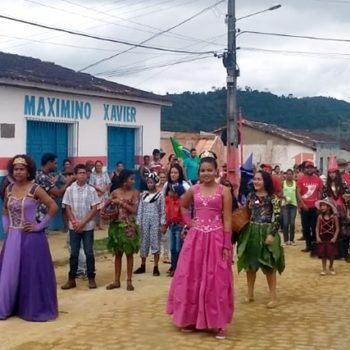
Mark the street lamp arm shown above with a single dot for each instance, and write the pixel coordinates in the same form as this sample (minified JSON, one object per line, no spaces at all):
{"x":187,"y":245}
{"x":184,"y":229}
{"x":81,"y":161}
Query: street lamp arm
{"x":272,"y":8}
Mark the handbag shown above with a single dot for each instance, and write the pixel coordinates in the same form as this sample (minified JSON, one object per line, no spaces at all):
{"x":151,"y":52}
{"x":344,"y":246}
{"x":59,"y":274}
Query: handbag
{"x":240,"y":218}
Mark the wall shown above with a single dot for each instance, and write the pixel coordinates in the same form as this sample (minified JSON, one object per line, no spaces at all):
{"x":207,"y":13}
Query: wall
{"x":271,"y":149}
{"x":89,"y":117}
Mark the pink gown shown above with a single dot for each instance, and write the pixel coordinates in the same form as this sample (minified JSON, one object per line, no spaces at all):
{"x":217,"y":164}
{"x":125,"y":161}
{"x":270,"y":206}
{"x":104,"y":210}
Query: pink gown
{"x":201,"y":292}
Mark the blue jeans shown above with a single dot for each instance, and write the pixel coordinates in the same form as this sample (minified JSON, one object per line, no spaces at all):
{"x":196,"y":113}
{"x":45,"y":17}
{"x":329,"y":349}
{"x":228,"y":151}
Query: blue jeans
{"x":289,"y":213}
{"x":175,"y":243}
{"x":87,"y":237}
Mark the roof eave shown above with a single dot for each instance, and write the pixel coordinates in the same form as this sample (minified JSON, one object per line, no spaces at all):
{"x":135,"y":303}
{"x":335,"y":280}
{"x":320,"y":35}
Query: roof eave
{"x":84,"y":92}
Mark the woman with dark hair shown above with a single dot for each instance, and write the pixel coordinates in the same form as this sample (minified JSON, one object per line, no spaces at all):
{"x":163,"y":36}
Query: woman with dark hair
{"x":27,"y":276}
{"x":123,"y":233}
{"x":337,"y":189}
{"x":259,"y":244}
{"x":289,"y":207}
{"x":173,"y":190}
{"x":201,"y":293}
{"x":99,"y":179}
{"x":114,"y":175}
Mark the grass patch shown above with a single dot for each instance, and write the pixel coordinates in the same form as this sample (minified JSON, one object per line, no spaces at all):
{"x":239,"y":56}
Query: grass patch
{"x":100,"y":244}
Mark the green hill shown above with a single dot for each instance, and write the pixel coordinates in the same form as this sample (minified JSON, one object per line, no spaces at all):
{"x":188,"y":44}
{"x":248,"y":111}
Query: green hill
{"x":206,"y":111}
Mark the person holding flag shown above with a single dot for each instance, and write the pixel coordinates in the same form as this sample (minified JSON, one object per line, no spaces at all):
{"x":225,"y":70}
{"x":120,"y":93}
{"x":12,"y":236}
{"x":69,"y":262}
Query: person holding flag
{"x":191,"y":165}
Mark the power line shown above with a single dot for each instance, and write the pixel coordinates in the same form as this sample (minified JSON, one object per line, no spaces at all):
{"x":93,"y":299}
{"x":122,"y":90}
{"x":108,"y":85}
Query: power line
{"x":156,"y":66}
{"x":329,"y":55}
{"x":129,"y":66}
{"x":153,"y":36}
{"x":334,"y":1}
{"x":90,"y":36}
{"x":295,"y":36}
{"x":122,"y":19}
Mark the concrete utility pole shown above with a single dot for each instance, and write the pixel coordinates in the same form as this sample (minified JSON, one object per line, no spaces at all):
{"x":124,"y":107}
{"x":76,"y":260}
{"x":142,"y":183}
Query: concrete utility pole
{"x":230,"y":63}
{"x":229,"y":60}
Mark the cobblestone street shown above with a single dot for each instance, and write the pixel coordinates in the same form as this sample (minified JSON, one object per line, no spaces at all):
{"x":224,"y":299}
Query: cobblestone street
{"x":313,"y":313}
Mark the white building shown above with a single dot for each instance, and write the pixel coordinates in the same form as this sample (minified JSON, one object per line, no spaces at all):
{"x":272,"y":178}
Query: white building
{"x":278,"y":146}
{"x":49,"y":108}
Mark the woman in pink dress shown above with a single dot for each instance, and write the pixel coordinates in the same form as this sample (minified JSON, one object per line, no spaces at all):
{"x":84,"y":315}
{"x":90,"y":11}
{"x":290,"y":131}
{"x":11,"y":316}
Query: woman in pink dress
{"x":201,"y":292}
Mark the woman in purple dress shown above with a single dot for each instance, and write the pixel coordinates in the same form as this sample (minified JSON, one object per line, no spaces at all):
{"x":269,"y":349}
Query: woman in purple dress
{"x":27,"y":276}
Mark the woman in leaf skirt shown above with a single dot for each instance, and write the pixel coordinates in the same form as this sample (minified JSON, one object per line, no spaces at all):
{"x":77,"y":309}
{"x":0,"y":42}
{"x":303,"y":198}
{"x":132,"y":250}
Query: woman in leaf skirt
{"x":259,"y":244}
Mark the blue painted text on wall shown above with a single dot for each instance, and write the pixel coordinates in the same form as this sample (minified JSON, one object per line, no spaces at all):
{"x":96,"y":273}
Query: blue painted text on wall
{"x":119,"y":113}
{"x":56,"y":107}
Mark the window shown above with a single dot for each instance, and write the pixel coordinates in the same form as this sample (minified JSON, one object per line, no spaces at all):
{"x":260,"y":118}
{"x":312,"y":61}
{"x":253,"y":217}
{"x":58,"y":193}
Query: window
{"x":7,"y":130}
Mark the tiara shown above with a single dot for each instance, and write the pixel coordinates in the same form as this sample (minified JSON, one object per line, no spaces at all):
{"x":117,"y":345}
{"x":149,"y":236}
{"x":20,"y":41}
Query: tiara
{"x":207,"y":154}
{"x":19,"y":160}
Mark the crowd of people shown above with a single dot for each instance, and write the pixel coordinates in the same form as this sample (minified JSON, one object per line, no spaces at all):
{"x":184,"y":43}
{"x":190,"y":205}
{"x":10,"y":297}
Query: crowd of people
{"x":182,"y":209}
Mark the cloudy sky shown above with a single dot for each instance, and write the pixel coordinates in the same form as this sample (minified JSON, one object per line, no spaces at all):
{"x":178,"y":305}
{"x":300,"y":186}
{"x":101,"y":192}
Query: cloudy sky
{"x":277,"y":64}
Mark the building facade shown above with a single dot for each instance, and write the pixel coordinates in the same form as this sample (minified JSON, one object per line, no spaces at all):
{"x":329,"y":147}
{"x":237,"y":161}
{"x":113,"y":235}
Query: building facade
{"x":49,"y":108}
{"x":278,"y":146}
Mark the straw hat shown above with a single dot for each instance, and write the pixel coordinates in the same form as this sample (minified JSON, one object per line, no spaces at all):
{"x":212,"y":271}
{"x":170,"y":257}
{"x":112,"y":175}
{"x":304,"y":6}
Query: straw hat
{"x":329,"y":202}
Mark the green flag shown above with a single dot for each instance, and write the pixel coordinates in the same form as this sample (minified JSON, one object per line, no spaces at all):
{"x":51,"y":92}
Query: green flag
{"x":180,"y":151}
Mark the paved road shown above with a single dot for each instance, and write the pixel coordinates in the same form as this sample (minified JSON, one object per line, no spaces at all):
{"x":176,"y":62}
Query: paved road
{"x":314,"y":313}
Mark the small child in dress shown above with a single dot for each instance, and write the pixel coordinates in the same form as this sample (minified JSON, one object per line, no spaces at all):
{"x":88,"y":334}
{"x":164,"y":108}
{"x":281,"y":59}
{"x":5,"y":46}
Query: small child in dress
{"x":327,"y":230}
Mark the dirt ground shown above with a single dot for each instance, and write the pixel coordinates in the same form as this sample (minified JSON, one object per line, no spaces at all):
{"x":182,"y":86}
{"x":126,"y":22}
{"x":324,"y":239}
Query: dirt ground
{"x":313,"y":313}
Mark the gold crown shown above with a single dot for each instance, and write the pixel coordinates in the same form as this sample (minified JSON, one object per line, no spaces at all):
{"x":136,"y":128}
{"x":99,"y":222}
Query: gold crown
{"x":207,"y":154}
{"x":19,"y":160}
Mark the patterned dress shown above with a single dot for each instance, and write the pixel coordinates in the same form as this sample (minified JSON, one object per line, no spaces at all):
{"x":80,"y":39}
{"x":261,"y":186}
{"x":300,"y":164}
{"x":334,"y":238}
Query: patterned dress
{"x":327,"y":249}
{"x":150,"y":216}
{"x":123,"y":232}
{"x":252,"y":251}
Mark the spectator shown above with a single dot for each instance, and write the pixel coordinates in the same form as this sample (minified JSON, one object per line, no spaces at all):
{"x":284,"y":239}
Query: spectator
{"x":309,"y":190}
{"x":44,"y":180}
{"x":81,"y":202}
{"x":191,"y":165}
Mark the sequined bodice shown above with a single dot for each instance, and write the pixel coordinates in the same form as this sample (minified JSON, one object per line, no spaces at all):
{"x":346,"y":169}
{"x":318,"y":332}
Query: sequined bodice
{"x":21,"y":210}
{"x":208,"y":209}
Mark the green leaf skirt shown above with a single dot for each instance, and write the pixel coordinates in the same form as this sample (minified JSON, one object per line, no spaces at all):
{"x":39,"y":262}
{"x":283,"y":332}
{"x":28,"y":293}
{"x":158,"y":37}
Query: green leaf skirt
{"x":253,"y":253}
{"x":123,"y":237}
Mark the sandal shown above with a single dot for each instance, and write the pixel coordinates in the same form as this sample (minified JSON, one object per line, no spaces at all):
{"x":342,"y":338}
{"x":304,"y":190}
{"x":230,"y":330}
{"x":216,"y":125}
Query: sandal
{"x":129,"y":286}
{"x":113,"y":285}
{"x":271,"y":304}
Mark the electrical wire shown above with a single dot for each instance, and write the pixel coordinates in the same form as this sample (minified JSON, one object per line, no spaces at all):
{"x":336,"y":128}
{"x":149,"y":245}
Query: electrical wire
{"x":334,"y":1}
{"x":327,"y":55}
{"x":295,"y":36}
{"x":156,"y":66}
{"x":122,"y":19}
{"x":153,"y":36}
{"x":90,"y":36}
{"x":135,"y":65}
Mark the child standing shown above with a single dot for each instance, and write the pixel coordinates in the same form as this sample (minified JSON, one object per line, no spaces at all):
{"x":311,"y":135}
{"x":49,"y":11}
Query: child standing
{"x":327,"y":230}
{"x":201,"y":293}
{"x":81,"y":202}
{"x":123,"y":233}
{"x":152,"y":222}
{"x":174,"y":189}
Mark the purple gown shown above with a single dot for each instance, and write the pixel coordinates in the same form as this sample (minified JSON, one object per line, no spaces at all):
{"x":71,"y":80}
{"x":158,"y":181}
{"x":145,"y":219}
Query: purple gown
{"x":27,"y":276}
